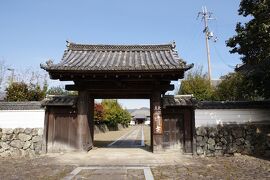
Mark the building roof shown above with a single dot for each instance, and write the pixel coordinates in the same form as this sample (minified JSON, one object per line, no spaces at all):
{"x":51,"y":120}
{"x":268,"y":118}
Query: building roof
{"x":60,"y":101}
{"x":89,"y":57}
{"x":178,"y":100}
{"x":233,"y":104}
{"x":27,"y":105}
{"x":141,"y":113}
{"x":190,"y":101}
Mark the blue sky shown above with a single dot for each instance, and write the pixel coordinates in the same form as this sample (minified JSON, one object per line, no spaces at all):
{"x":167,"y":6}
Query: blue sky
{"x":32,"y":32}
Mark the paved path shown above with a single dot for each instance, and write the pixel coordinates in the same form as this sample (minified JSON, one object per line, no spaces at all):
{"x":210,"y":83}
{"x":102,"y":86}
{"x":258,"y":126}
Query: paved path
{"x":134,"y":138}
{"x":111,"y":173}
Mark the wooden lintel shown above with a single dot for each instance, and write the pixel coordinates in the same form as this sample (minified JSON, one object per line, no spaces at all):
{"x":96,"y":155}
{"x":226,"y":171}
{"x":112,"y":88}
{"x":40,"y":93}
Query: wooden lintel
{"x":119,"y":87}
{"x":120,"y":96}
{"x":65,"y":76}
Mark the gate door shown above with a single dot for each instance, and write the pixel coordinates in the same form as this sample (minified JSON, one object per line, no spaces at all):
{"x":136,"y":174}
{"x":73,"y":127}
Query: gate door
{"x":173,"y":131}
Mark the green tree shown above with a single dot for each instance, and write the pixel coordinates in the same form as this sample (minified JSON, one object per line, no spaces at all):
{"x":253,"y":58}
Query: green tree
{"x":57,"y":90}
{"x":252,"y":41}
{"x":233,"y":87}
{"x":98,"y":113}
{"x":114,"y":113}
{"x":197,"y":83}
{"x":20,"y":91}
{"x":36,"y":93}
{"x":17,"y":91}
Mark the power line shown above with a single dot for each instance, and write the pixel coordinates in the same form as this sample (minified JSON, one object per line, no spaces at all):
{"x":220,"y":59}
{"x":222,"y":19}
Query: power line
{"x":222,"y":59}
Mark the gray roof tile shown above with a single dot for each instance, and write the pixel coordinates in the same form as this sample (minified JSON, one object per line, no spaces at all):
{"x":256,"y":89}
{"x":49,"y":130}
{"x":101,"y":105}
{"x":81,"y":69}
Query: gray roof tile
{"x":60,"y":101}
{"x":88,"y":57}
{"x":27,"y":105}
{"x":170,"y":100}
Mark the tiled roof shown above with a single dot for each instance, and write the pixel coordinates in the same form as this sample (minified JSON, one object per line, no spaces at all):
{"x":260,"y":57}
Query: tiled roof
{"x":233,"y":105}
{"x":28,"y":105}
{"x":60,"y":101}
{"x":177,"y":100}
{"x":189,"y":101}
{"x":85,"y":57}
{"x":141,"y":113}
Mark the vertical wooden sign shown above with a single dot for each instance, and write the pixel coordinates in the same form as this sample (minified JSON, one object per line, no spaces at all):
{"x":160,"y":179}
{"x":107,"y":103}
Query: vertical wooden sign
{"x":157,"y":120}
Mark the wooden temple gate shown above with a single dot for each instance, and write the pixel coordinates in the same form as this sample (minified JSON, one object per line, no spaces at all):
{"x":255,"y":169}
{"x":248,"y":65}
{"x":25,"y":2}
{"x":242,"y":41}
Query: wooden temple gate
{"x":111,"y":71}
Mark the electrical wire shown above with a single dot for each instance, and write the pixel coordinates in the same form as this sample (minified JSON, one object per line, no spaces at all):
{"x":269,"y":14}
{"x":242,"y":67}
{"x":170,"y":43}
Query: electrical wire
{"x":221,"y":58}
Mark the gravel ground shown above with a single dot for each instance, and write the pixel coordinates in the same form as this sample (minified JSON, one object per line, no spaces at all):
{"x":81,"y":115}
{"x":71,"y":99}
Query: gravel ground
{"x":35,"y":168}
{"x":240,"y":167}
{"x":237,"y":167}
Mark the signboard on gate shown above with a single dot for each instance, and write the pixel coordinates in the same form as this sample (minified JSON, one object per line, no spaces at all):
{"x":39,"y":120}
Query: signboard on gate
{"x":157,"y":121}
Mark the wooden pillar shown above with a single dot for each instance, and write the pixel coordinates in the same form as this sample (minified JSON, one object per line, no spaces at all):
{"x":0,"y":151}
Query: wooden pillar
{"x":91,"y":117}
{"x":45,"y":131}
{"x":188,"y":131}
{"x":84,"y":137}
{"x":194,"y":148}
{"x":157,"y":122}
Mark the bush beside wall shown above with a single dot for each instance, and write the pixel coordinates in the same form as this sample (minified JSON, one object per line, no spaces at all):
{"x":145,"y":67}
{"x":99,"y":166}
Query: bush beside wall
{"x":102,"y":128}
{"x":251,"y":139}
{"x":20,"y":142}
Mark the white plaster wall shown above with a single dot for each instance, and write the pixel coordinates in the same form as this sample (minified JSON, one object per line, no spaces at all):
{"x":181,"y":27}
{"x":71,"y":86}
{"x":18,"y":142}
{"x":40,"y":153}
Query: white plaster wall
{"x":22,"y":118}
{"x":213,"y":117}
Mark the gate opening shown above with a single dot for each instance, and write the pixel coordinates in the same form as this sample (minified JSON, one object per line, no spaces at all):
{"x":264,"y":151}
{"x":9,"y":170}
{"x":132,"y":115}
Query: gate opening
{"x":122,"y":123}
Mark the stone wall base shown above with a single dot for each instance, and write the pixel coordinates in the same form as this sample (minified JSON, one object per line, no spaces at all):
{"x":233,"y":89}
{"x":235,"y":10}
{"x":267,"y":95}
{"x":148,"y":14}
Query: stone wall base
{"x":20,"y":142}
{"x":250,"y":139}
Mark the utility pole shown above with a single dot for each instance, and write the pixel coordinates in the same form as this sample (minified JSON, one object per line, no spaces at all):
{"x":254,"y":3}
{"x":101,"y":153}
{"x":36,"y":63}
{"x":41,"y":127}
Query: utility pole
{"x":12,"y":74}
{"x":208,"y":35}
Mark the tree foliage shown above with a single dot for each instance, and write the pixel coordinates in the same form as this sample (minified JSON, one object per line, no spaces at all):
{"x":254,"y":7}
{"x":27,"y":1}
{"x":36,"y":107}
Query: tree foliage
{"x":197,"y":83}
{"x":114,"y":113}
{"x":58,"y":90}
{"x":98,"y":113}
{"x":233,"y":88}
{"x":252,"y":41}
{"x":253,"y":38}
{"x":17,"y":92}
{"x":20,"y":91}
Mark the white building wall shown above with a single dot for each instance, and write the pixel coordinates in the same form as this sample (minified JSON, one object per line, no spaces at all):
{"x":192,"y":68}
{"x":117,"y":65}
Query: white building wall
{"x":213,"y":117}
{"x":22,"y":118}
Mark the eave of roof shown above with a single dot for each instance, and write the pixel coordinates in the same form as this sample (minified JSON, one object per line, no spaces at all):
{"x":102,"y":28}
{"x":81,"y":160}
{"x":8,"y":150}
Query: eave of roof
{"x":60,"y":101}
{"x":89,"y":58}
{"x":21,"y":105}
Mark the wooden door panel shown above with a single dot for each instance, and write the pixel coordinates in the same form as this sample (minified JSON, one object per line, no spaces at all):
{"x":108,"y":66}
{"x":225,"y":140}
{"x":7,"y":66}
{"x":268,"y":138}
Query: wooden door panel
{"x":173,"y":131}
{"x":61,"y":132}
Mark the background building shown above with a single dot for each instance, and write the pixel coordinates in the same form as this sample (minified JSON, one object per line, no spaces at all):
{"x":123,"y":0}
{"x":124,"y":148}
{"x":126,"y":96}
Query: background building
{"x":140,"y":116}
